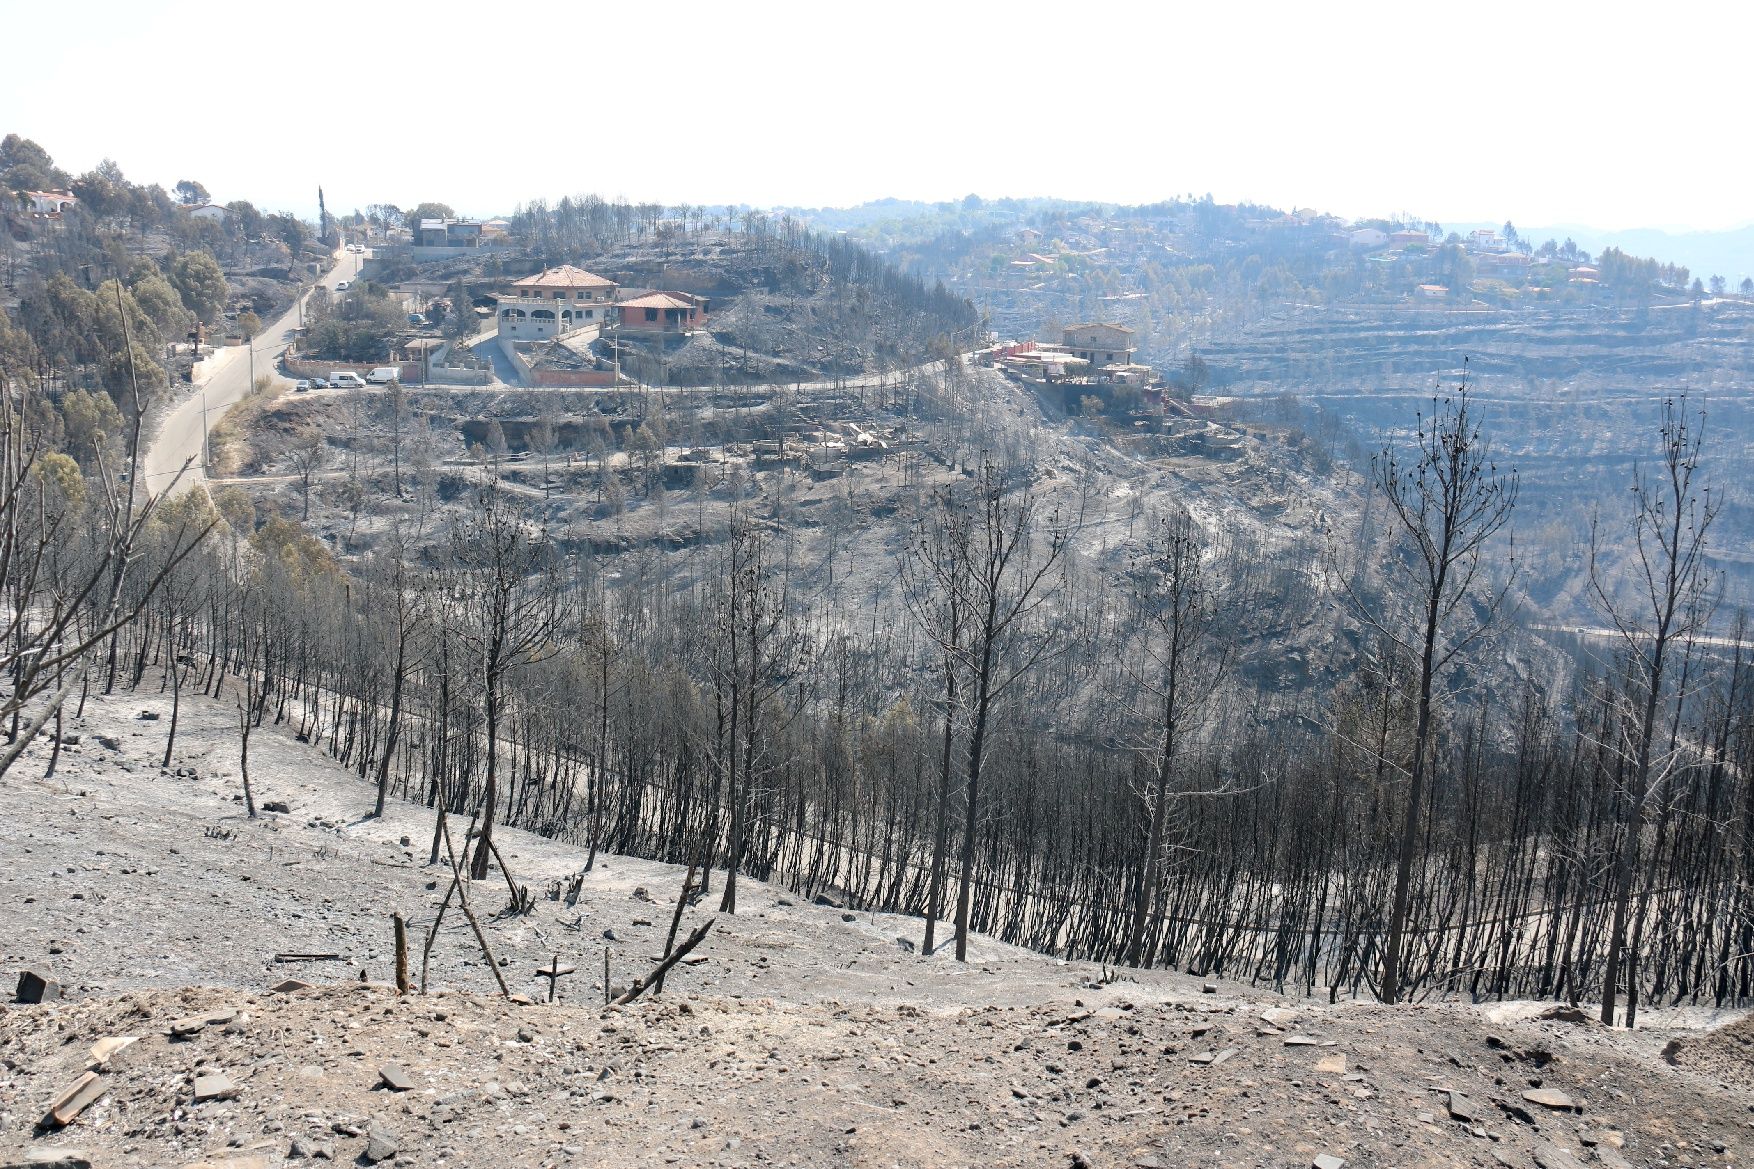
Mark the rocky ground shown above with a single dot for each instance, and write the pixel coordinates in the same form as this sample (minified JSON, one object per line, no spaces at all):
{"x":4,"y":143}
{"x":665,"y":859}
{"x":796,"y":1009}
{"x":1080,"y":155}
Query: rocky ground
{"x":807,"y":1036}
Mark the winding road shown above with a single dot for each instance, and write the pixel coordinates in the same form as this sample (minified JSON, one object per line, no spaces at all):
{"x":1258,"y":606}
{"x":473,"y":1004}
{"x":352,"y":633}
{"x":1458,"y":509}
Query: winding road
{"x":173,"y":461}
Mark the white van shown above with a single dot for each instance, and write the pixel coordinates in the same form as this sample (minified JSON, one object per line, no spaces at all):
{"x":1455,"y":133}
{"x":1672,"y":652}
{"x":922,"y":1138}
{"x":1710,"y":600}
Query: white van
{"x":383,"y":375}
{"x":346,"y":379}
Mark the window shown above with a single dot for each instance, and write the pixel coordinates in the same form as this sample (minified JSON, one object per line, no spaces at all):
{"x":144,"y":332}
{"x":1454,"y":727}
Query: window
{"x":651,"y":314}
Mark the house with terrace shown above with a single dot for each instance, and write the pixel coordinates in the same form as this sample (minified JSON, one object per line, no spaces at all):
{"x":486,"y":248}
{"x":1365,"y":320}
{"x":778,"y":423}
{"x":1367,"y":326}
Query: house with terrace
{"x":555,"y":302}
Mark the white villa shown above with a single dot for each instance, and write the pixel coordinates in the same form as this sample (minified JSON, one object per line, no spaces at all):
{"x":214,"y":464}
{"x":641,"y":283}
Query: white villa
{"x":555,"y":302}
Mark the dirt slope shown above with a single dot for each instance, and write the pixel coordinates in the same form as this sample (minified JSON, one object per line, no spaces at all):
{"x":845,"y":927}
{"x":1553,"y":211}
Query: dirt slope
{"x":803,"y":1039}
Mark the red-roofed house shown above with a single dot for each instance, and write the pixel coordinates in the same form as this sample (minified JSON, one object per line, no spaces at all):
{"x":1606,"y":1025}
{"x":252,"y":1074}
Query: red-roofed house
{"x":50,"y":202}
{"x":663,"y":312}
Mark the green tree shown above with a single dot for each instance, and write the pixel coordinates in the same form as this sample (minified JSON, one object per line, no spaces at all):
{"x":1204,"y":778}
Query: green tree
{"x":102,"y":192}
{"x":25,"y":166}
{"x":63,"y":485}
{"x":91,"y":423}
{"x":198,"y":280}
{"x":191,"y":193}
{"x":244,"y":215}
{"x":109,"y":305}
{"x":428,"y":211}
{"x":161,"y":304}
{"x":121,"y":375}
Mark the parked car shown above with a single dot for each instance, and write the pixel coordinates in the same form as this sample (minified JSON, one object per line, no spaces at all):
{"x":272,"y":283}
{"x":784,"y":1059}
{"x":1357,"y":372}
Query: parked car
{"x":301,"y":386}
{"x":319,"y":383}
{"x":343,"y":285}
{"x":383,"y":375}
{"x":346,"y":379}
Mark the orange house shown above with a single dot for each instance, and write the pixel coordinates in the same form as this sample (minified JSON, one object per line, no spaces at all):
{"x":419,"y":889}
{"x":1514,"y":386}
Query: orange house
{"x":663,"y":312}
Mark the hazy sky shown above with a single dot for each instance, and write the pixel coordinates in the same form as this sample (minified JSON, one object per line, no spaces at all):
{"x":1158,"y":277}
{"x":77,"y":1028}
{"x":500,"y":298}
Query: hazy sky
{"x":1614,"y":115}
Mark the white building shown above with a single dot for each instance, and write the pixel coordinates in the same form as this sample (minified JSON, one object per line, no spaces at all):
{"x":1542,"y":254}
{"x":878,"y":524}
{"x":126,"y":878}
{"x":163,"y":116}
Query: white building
{"x":50,"y":202}
{"x":555,"y":302}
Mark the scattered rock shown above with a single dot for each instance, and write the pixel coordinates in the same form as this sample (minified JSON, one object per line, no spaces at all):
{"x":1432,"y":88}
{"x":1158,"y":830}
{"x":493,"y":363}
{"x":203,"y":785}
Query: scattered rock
{"x":105,"y":1050}
{"x":1550,"y":1156}
{"x":1463,"y":1109}
{"x":849,"y":917}
{"x":76,"y":1098}
{"x":147,"y":716}
{"x":1328,"y":1161}
{"x":188,"y":1026}
{"x":276,"y":806}
{"x":1301,"y":1041}
{"x":288,"y":985}
{"x":1551,"y":1098}
{"x":36,"y":987}
{"x":1331,"y":1064}
{"x":380,"y":1143}
{"x":395,"y":1078}
{"x":214,"y":1086}
{"x":1565,"y":1013}
{"x":46,"y":1159}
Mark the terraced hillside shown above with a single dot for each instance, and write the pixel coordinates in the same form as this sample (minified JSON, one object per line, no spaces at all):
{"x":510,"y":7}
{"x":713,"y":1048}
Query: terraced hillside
{"x":1570,"y":399}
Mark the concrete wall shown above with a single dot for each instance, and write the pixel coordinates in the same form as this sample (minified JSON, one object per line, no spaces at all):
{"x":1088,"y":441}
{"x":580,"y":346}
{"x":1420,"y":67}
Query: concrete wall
{"x":510,"y":349}
{"x":420,"y":254}
{"x":554,"y":378}
{"x":447,"y":376}
{"x":573,"y":378}
{"x":316,"y":367}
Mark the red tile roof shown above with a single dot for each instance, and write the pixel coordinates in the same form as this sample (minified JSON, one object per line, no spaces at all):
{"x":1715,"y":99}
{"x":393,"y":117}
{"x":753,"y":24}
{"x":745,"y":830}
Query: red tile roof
{"x":657,"y":300}
{"x":565,"y":276}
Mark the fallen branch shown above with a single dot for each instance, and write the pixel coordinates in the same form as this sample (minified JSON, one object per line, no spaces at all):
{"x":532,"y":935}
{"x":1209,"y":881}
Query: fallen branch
{"x":676,"y":921}
{"x":639,"y":984}
{"x":463,"y":900}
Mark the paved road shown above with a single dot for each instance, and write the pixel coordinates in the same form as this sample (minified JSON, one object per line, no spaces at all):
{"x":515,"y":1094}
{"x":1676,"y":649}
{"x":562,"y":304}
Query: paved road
{"x":177,"y":447}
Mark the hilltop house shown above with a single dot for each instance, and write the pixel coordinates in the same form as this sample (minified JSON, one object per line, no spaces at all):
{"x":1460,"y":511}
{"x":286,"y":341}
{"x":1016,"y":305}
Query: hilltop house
{"x":212,"y":212}
{"x":51,"y":203}
{"x":554,"y":302}
{"x":1485,"y":240}
{"x":448,"y":233}
{"x":1100,"y":344}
